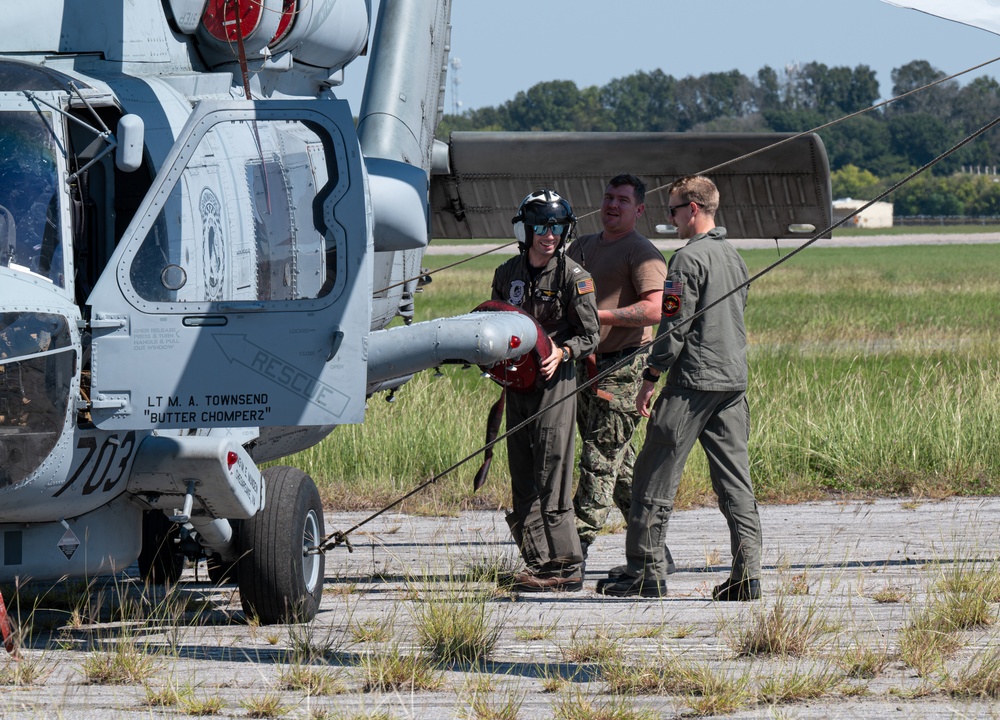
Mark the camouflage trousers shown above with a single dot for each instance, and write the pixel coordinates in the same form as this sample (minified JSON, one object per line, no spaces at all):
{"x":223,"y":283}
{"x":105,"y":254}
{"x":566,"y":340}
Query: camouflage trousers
{"x":607,"y":454}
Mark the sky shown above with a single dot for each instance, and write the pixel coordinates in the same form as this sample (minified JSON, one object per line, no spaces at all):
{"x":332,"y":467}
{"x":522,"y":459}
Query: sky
{"x":506,"y":46}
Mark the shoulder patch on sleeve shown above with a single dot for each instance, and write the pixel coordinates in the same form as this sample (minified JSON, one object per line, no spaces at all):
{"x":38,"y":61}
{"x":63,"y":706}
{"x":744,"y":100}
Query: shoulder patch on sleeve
{"x":672,"y":293}
{"x":585,"y":286}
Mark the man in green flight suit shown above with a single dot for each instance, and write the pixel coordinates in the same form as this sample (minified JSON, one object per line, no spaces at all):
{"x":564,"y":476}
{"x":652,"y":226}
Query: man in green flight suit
{"x":701,"y":346}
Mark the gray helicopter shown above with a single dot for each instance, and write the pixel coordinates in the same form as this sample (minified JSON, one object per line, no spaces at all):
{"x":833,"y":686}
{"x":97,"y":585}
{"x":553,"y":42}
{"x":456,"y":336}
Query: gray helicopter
{"x":201,"y":253}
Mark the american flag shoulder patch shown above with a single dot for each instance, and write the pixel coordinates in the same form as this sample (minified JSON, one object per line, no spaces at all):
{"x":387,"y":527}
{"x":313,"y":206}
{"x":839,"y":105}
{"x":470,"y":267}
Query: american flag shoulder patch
{"x":585,"y":286}
{"x":673,"y":291}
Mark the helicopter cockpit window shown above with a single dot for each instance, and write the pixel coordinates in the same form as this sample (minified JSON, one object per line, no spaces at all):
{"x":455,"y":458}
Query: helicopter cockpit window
{"x":36,"y":370}
{"x":30,"y":238}
{"x":241,"y":224}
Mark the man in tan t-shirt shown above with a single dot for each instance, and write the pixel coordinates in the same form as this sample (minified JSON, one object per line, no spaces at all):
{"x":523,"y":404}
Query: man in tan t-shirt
{"x":629,"y":273}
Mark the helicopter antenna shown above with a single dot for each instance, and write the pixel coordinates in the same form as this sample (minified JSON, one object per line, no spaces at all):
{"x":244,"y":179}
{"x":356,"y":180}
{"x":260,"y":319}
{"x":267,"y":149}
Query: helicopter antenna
{"x":456,"y":104}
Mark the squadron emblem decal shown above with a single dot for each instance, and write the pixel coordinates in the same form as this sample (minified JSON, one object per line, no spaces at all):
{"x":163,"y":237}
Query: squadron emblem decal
{"x":516,"y":296}
{"x":213,"y":245}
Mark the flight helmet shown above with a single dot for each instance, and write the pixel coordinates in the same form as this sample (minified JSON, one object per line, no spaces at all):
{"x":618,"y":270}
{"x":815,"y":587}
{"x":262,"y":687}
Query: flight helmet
{"x":542,"y":207}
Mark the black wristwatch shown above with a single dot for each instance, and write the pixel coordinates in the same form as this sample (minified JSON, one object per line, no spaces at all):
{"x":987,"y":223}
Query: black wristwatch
{"x":647,"y":375}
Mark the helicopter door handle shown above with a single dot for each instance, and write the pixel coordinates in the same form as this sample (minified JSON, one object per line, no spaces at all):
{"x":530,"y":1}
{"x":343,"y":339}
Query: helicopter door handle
{"x":338,"y":338}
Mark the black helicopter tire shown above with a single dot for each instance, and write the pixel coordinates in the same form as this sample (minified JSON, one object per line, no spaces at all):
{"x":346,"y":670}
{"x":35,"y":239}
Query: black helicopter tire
{"x":278,"y":581}
{"x":160,"y":560}
{"x":221,"y":572}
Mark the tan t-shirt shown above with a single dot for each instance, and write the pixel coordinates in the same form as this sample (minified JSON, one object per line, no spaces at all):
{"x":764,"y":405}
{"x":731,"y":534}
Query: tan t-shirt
{"x":623,"y":271}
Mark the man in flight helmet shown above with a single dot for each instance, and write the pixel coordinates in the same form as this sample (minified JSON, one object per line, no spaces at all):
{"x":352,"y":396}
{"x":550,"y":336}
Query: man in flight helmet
{"x":559,"y":294}
{"x":543,"y":208}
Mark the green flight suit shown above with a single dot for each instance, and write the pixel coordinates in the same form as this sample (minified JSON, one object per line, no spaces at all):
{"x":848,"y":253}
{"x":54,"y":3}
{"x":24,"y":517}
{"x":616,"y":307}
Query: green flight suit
{"x":560,"y":297}
{"x":705,"y":400}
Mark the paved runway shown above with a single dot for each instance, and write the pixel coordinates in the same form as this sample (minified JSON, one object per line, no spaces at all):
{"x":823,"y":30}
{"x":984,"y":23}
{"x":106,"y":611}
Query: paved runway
{"x":751,"y":244}
{"x":862,"y":570}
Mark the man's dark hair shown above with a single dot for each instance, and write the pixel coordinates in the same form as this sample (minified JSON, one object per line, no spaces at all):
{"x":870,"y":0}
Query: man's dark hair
{"x":637,"y":185}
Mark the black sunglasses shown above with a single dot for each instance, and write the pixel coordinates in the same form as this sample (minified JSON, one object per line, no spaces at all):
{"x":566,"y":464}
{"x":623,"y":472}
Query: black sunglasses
{"x":557,"y":229}
{"x":672,"y":209}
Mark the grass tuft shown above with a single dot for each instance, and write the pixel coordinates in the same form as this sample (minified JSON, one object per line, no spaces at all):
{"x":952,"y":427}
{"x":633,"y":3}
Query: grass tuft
{"x":171,"y":695}
{"x":645,"y":632}
{"x":799,"y":685}
{"x":862,"y":662}
{"x":26,"y":671}
{"x":552,"y":681}
{"x":371,"y":630}
{"x":494,"y":568}
{"x":264,"y":706}
{"x":924,"y":644}
{"x":719,"y":693}
{"x":962,"y":578}
{"x":458,"y":628}
{"x":495,"y":706}
{"x":600,"y":647}
{"x":795,"y":585}
{"x":197,"y":706}
{"x":536,"y":632}
{"x":706,"y":690}
{"x":890,"y":594}
{"x":309,"y":642}
{"x":780,"y":631}
{"x":126,"y":664}
{"x":577,"y":706}
{"x":327,"y":714}
{"x":980,"y":678}
{"x":393,"y":670}
{"x":311,"y":681}
{"x":679,"y":632}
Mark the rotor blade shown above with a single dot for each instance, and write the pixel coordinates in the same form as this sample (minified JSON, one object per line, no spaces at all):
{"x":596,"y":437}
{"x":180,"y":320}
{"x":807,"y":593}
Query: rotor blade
{"x":982,"y":14}
{"x":778,"y":192}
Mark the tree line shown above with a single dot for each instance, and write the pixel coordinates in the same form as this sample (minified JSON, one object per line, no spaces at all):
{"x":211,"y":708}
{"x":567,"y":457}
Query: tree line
{"x":867,"y":153}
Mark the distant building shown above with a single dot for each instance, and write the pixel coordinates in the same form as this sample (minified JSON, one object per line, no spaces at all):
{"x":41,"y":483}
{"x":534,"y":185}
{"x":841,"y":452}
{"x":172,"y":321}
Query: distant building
{"x":878,"y":215}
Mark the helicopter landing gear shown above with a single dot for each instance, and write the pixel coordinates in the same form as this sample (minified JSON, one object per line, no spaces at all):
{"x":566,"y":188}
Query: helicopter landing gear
{"x":221,"y":572}
{"x":161,"y":560}
{"x":279,"y":580}
{"x":225,"y":572}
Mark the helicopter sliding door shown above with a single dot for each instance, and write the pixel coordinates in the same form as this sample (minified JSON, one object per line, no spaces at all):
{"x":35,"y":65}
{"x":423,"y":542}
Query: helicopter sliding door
{"x":240,"y":293}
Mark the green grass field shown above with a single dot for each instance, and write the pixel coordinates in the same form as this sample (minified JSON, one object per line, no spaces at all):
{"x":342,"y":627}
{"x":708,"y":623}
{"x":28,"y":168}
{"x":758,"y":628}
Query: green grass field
{"x":874,"y":372}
